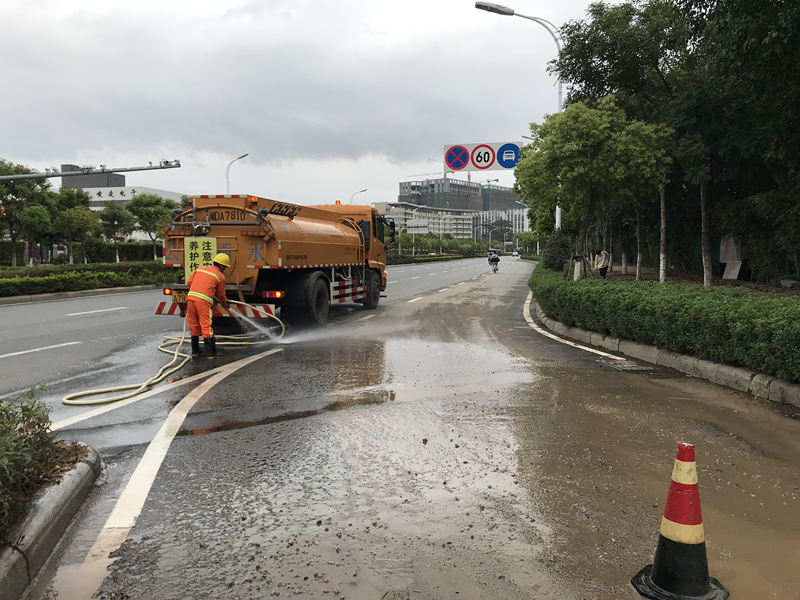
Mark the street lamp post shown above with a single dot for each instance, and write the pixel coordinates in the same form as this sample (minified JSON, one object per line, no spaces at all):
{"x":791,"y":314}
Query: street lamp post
{"x":499,"y":9}
{"x":354,"y":194}
{"x":228,"y":170}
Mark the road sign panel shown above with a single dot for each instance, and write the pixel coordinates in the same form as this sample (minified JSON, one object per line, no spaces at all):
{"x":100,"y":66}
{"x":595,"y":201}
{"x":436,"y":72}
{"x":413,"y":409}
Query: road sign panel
{"x":456,"y":157}
{"x":501,"y":156}
{"x":482,"y":157}
{"x":508,"y":155}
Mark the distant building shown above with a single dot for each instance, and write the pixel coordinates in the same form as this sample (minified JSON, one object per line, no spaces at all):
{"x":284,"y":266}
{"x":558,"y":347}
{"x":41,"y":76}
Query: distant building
{"x":456,"y":223}
{"x":457,"y":194}
{"x":111,"y":186}
{"x":121,"y":194}
{"x":516,"y":216}
{"x":442,"y":193}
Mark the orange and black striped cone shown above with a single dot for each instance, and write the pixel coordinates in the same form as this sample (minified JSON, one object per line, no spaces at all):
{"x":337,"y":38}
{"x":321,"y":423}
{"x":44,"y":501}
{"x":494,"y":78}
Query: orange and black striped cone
{"x":680,"y":567}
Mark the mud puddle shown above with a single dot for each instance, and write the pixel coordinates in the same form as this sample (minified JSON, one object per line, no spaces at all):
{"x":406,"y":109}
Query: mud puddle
{"x":596,"y":454}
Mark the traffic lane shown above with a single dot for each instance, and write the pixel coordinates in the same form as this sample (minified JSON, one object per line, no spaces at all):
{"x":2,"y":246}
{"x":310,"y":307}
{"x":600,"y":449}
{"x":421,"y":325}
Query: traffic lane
{"x":411,"y":280}
{"x":21,"y":325}
{"x":387,"y":432}
{"x":81,"y":343}
{"x":377,"y":456}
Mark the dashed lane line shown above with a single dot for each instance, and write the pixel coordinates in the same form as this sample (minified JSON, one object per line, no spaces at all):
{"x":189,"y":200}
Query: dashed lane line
{"x":415,"y":299}
{"x":91,"y":312}
{"x":38,"y":349}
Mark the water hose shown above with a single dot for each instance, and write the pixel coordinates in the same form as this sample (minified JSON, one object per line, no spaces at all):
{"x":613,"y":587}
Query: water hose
{"x":241,"y":339}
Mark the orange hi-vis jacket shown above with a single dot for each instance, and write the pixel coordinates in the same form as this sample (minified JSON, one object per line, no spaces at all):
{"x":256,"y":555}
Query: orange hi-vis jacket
{"x":207,"y":282}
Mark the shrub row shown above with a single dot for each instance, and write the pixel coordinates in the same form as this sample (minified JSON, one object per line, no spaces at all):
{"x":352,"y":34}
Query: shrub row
{"x":734,"y":327}
{"x":83,"y":280}
{"x":26,"y":448}
{"x":437,"y":258}
{"x":134,"y":268}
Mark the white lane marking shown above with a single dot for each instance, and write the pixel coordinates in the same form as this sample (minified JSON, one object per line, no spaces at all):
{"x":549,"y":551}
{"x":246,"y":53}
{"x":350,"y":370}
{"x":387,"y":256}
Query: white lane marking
{"x":64,"y":423}
{"x":402,"y":271}
{"x":415,"y":299}
{"x":527,"y":314}
{"x":443,"y":290}
{"x":462,"y":283}
{"x":432,"y":274}
{"x":130,"y":502}
{"x":366,"y":318}
{"x":417,"y":277}
{"x":395,"y":281}
{"x":39,"y":349}
{"x":90,"y":312}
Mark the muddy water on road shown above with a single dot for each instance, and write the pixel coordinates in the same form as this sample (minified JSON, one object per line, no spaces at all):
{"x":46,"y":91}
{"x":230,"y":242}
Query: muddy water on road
{"x":596,"y":454}
{"x":405,"y":477}
{"x":444,"y":450}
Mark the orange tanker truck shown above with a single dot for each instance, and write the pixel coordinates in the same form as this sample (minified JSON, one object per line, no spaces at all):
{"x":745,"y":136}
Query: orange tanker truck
{"x":299,"y":259}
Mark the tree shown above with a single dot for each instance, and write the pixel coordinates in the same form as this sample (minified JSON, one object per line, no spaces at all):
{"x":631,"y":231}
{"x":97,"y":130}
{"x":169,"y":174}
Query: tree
{"x":34,"y":221}
{"x":77,"y":223}
{"x":116,"y":219}
{"x":591,"y":158}
{"x":68,"y":197}
{"x":15,"y":196}
{"x":152,"y":214}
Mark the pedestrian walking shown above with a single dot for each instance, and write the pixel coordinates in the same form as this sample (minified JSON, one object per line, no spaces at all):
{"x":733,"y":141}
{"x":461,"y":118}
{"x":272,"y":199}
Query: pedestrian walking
{"x":601,"y":262}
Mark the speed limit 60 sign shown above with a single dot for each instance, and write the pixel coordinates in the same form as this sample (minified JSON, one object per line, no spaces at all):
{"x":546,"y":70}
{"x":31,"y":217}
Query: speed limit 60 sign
{"x":499,"y":156}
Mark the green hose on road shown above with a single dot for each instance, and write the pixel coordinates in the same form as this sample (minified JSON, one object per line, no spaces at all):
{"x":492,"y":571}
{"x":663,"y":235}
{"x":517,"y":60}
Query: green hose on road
{"x":241,"y":339}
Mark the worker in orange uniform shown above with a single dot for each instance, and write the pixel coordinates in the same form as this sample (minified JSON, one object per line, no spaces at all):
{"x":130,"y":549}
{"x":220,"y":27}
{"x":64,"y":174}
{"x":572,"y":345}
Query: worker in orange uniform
{"x":206,"y":285}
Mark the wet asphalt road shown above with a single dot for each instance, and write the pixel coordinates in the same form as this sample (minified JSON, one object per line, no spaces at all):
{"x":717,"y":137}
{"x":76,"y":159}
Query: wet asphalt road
{"x":438,"y":448}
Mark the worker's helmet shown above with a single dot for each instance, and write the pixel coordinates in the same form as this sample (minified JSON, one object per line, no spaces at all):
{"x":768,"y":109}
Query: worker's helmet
{"x":222,"y":259}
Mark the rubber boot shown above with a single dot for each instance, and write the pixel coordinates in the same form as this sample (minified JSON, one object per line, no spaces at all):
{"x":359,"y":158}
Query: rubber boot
{"x":211,"y":348}
{"x":196,"y":346}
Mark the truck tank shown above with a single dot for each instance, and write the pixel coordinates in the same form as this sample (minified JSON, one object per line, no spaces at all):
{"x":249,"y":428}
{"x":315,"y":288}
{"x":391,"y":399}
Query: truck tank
{"x":298,"y":259}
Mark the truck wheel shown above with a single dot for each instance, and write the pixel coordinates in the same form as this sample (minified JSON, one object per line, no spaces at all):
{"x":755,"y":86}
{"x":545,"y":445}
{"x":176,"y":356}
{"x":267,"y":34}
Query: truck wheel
{"x":320,"y":302}
{"x":373,"y":291}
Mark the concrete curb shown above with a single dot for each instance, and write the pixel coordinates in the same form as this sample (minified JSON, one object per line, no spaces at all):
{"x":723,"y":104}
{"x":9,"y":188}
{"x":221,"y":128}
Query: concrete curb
{"x":760,"y":385}
{"x":49,"y":516}
{"x":16,"y":300}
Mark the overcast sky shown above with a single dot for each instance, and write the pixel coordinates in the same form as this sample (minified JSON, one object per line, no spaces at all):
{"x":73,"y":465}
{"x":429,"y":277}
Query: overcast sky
{"x":328,"y":97}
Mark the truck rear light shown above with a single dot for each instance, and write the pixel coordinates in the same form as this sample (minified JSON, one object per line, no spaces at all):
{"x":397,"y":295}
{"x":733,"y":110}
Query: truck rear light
{"x":168,"y":291}
{"x":272,"y":294}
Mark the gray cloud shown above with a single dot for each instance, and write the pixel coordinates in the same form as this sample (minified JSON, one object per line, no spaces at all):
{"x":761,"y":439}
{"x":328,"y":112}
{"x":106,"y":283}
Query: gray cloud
{"x":291,"y":84}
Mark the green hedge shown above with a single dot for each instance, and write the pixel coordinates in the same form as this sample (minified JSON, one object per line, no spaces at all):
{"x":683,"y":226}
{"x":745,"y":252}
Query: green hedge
{"x":134,"y":268}
{"x":437,"y":258}
{"x":735,"y":327}
{"x":26,"y":448}
{"x":85,"y":280}
{"x":530,"y":257}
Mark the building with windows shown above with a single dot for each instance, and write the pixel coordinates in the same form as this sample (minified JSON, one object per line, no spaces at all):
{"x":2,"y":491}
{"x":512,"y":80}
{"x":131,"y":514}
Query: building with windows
{"x":453,"y":222}
{"x":457,"y":194}
{"x":442,"y":193}
{"x":484,"y":221}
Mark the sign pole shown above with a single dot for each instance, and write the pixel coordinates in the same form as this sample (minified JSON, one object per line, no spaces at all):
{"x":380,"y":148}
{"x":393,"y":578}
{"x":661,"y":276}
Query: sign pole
{"x":469,"y":190}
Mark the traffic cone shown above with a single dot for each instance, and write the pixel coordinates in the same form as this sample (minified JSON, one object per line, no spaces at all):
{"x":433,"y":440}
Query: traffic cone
{"x":680,"y":566}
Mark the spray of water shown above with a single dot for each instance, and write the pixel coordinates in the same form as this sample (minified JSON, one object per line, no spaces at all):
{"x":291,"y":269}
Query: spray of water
{"x":257,"y":325}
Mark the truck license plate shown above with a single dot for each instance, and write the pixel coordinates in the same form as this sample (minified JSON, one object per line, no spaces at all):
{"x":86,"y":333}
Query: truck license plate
{"x":179,"y":297}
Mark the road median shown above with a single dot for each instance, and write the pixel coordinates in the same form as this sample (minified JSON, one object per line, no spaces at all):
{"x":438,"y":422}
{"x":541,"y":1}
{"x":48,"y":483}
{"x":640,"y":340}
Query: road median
{"x":50,"y":514}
